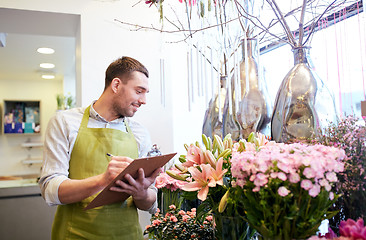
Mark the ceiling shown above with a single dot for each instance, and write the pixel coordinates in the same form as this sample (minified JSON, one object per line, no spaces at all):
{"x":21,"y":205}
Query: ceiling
{"x":26,"y":31}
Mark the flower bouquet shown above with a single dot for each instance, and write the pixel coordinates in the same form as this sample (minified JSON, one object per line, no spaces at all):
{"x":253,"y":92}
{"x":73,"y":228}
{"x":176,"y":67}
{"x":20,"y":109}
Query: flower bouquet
{"x":204,"y":174}
{"x":285,"y":190}
{"x":178,"y":224}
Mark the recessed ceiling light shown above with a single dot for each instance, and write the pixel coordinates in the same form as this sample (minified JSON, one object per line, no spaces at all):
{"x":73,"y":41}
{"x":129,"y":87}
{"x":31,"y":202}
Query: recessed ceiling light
{"x":47,"y":65}
{"x":45,"y":50}
{"x":48,"y":76}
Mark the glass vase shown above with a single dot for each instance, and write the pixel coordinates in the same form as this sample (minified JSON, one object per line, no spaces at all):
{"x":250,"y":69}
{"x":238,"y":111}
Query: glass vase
{"x":254,"y":109}
{"x":229,"y":227}
{"x":303,"y":103}
{"x":168,"y":198}
{"x":230,"y":122}
{"x":213,"y":121}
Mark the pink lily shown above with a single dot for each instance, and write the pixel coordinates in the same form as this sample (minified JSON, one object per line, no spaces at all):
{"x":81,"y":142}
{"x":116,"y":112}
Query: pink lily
{"x":202,"y":181}
{"x":194,"y":156}
{"x":218,"y":173}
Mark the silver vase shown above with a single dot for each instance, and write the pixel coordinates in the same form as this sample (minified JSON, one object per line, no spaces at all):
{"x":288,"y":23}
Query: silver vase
{"x":255,"y":108}
{"x":303,"y":103}
{"x":213,"y":120}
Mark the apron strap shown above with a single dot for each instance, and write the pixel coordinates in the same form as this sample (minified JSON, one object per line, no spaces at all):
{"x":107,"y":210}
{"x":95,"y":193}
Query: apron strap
{"x":85,"y":120}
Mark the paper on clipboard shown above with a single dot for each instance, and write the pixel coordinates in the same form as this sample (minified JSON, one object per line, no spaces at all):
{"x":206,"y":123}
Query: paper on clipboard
{"x":149,"y":164}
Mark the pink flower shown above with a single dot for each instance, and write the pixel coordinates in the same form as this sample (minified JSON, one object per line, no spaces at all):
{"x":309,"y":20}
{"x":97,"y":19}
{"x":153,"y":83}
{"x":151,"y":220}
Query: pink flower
{"x":209,"y":218}
{"x":202,"y":181}
{"x":331,"y":195}
{"x":294,"y":178}
{"x":306,"y":184}
{"x":185,"y":218}
{"x":161,"y":180}
{"x":331,"y":176}
{"x":218,"y":173}
{"x":309,"y":173}
{"x":314,"y":191}
{"x":194,"y":156}
{"x":282,"y":191}
{"x":172,"y":207}
{"x":173,"y":219}
{"x":260,"y":180}
{"x":282,"y":176}
{"x":353,"y":229}
{"x":156,"y":222}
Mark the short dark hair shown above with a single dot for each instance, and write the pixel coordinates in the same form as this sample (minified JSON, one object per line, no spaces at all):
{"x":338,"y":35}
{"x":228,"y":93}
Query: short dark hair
{"x":123,"y":66}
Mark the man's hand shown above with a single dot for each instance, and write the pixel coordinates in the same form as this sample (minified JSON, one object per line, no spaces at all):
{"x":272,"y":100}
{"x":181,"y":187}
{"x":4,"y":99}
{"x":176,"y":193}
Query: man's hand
{"x":139,"y":188}
{"x":115,"y":167}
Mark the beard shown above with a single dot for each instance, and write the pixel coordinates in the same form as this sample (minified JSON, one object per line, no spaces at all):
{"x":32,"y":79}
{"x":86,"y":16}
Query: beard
{"x":118,"y":111}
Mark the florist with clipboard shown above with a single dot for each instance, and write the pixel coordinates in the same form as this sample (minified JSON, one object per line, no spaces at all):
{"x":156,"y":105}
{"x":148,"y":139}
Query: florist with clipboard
{"x":76,"y":167}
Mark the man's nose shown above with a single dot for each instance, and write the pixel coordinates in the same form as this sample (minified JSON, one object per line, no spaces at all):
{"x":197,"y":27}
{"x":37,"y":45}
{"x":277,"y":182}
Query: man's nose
{"x":142,"y":99}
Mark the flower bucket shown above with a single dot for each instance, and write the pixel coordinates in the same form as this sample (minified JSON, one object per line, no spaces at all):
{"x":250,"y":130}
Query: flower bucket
{"x":228,"y":227}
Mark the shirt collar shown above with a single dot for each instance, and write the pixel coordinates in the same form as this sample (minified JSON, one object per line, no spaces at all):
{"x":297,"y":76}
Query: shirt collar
{"x":96,"y":115}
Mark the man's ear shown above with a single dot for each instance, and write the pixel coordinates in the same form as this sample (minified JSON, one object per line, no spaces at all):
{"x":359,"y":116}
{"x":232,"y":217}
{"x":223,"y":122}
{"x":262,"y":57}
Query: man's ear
{"x":116,"y":82}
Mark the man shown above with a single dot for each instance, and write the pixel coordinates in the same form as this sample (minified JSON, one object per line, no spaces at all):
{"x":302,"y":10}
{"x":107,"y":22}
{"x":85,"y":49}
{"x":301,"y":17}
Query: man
{"x":76,"y":166}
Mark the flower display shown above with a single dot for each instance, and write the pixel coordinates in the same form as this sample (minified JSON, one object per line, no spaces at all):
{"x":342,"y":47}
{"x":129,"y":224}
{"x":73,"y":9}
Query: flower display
{"x":179,"y":224}
{"x":283,"y":191}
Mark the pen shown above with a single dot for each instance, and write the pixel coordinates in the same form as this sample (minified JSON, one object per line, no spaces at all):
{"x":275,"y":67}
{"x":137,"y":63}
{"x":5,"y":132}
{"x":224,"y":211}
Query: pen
{"x":110,"y":155}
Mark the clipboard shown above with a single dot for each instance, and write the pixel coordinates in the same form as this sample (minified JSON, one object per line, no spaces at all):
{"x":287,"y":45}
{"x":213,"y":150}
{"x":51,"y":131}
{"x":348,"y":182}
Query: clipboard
{"x":149,"y":164}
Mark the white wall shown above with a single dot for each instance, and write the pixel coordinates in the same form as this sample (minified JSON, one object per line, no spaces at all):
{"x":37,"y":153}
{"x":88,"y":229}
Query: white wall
{"x":11,"y":152}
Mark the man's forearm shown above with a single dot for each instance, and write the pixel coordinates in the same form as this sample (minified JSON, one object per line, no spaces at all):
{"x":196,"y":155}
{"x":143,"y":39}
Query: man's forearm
{"x":73,"y":190}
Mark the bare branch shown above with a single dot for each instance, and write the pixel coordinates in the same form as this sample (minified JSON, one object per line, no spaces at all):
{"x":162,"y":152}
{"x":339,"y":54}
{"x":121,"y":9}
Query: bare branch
{"x":283,"y":22}
{"x":316,"y":22}
{"x":301,"y":24}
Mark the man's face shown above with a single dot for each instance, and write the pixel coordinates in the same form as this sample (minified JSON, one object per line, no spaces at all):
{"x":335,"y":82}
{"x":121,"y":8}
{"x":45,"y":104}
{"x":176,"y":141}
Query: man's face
{"x":131,"y":95}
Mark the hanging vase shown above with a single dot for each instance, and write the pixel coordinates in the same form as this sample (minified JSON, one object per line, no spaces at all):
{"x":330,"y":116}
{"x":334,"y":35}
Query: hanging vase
{"x":230,"y":123}
{"x":255,"y":107}
{"x":303,"y":103}
{"x":213,"y":122}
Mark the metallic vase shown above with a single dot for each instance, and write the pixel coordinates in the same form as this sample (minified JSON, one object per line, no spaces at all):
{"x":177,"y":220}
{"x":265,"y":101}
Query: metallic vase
{"x":254,"y":109}
{"x":303,"y":103}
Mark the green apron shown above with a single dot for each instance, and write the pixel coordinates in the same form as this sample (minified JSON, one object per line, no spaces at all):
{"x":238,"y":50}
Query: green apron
{"x":88,"y":158}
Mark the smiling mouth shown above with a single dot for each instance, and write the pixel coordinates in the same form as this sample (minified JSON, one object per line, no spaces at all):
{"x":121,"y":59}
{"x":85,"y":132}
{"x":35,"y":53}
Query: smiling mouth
{"x":136,"y":106}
